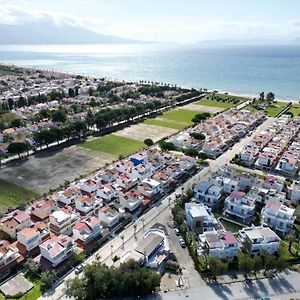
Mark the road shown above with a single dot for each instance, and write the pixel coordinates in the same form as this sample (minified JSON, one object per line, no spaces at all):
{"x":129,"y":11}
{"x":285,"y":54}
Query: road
{"x":160,"y":213}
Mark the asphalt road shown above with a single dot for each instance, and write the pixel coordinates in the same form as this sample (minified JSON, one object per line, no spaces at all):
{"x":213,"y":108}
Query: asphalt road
{"x":160,"y":213}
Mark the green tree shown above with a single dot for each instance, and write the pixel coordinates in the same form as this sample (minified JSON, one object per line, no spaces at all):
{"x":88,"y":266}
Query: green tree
{"x":216,"y":266}
{"x":47,"y":279}
{"x":32,"y":265}
{"x":197,"y":136}
{"x":59,"y":116}
{"x":148,"y":142}
{"x":76,"y":289}
{"x":17,"y":148}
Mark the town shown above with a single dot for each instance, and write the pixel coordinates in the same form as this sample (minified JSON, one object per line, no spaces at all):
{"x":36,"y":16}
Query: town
{"x":214,"y":198}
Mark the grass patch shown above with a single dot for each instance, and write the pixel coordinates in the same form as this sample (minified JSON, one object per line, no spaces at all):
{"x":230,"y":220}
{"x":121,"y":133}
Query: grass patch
{"x":163,"y":123}
{"x":214,"y":103}
{"x":181,"y":115}
{"x":115,"y":145}
{"x":284,"y":250}
{"x":295,"y":110}
{"x":230,"y":226}
{"x":271,"y":111}
{"x":12,"y":195}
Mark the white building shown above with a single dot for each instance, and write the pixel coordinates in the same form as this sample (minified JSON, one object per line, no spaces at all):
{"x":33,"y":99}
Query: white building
{"x":108,"y":216}
{"x":258,"y":239}
{"x":62,"y":221}
{"x":149,"y":188}
{"x":208,"y":193}
{"x":57,"y":249}
{"x":221,"y":244}
{"x":237,"y":204}
{"x":278,"y":216}
{"x":199,"y":218}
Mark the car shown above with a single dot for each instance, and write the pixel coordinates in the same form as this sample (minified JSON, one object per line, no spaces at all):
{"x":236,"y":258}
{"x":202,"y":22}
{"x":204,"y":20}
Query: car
{"x":78,"y":269}
{"x":177,"y":195}
{"x":182,"y":243}
{"x":176,"y":231}
{"x":171,"y":224}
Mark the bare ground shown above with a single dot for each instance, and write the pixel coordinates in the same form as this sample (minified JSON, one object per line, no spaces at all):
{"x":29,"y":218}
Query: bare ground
{"x":144,"y":131}
{"x":50,"y":169}
{"x":203,"y":108}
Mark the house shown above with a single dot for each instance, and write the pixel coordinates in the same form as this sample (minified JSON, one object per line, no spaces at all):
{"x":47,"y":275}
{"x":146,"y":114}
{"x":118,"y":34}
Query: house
{"x":295,"y":194}
{"x":87,"y":230}
{"x":208,"y":193}
{"x":109,"y":217}
{"x":126,"y":181}
{"x":62,"y":221}
{"x":124,"y":166}
{"x":288,"y":163}
{"x":150,"y":188}
{"x":153,"y":250}
{"x":43,"y":208}
{"x":87,"y":205}
{"x":230,"y":185}
{"x":69,"y":196}
{"x":110,"y":175}
{"x":138,"y":158}
{"x":238,"y":205}
{"x":9,"y":258}
{"x":142,"y":171}
{"x":88,"y":186}
{"x":199,"y":218}
{"x":131,"y":200}
{"x":221,"y":244}
{"x":272,"y":182}
{"x":166,"y":182}
{"x":108,"y":192}
{"x":256,"y":240}
{"x":57,"y":249}
{"x":14,"y":222}
{"x":278,"y":217}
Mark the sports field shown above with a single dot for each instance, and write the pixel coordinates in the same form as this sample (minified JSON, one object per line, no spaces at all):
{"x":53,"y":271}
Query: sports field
{"x":113,"y":144}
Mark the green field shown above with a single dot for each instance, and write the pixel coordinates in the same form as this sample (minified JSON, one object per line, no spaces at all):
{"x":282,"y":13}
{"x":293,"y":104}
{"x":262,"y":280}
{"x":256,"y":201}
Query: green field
{"x":181,"y":115}
{"x":115,"y":145}
{"x":214,"y":103}
{"x":295,"y":110}
{"x":12,"y":195}
{"x":230,"y":226}
{"x":164,"y":123}
{"x":271,"y":111}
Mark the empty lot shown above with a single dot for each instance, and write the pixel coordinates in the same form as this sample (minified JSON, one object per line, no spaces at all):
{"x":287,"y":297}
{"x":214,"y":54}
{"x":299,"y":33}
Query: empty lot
{"x":49,"y":170}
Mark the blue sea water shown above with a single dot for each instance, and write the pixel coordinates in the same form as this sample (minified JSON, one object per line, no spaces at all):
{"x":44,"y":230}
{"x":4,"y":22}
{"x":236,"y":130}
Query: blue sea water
{"x":238,"y":69}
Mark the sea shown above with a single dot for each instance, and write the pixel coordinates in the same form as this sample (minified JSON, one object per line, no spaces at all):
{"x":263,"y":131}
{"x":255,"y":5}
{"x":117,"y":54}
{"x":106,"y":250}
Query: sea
{"x":243,"y":70}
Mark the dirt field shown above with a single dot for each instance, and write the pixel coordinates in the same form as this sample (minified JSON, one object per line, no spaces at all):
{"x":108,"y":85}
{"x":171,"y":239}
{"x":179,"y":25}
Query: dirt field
{"x":48,"y":170}
{"x":203,"y":108}
{"x":144,"y":131}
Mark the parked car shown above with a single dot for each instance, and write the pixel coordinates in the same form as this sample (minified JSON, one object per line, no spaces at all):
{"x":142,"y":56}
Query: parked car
{"x":177,"y":195}
{"x":182,"y":243}
{"x":171,"y":224}
{"x":176,"y":231}
{"x":78,"y":269}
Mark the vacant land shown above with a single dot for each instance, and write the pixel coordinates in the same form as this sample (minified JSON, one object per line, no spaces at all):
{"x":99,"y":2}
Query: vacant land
{"x":180,"y":115}
{"x":160,"y":122}
{"x":203,"y":108}
{"x":295,"y":110}
{"x":48,"y":170}
{"x":115,"y":145}
{"x":12,"y":195}
{"x":214,"y":103}
{"x":147,"y":130}
{"x":271,"y":111}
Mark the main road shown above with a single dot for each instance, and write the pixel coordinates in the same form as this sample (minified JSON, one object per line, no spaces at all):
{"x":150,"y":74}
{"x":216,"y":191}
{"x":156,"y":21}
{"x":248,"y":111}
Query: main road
{"x":161,"y":212}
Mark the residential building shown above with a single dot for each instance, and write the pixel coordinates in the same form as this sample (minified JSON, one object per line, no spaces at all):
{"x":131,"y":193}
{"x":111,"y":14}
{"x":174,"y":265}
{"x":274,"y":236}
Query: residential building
{"x":131,"y":200}
{"x":238,"y":205}
{"x":87,"y":205}
{"x":42,"y":209}
{"x":108,"y":216}
{"x":62,"y":221}
{"x":221,"y":244}
{"x":149,"y":188}
{"x":57,"y":249}
{"x":208,"y":193}
{"x":9,"y":257}
{"x":256,"y":240}
{"x":14,"y":222}
{"x":278,"y":217}
{"x":199,"y":218}
{"x":69,"y":196}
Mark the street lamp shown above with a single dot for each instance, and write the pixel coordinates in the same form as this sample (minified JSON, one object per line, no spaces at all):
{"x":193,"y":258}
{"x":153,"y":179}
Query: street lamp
{"x":142,"y":219}
{"x":111,"y":249}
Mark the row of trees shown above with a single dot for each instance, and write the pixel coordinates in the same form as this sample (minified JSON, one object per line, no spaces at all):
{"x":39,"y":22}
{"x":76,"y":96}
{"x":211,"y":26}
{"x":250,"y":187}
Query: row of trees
{"x":102,"y":282}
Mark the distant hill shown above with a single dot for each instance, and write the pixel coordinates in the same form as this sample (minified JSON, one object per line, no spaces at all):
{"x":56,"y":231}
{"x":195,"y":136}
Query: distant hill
{"x":239,"y":42}
{"x":46,"y":32}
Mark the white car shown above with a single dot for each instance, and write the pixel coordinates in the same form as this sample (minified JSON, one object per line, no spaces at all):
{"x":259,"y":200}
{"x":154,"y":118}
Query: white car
{"x":176,"y":231}
{"x":182,"y":243}
{"x":78,"y":269}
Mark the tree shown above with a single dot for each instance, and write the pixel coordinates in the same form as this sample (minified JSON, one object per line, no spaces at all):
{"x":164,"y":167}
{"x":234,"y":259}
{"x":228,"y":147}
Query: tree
{"x":281,"y":264}
{"x":167,"y":146}
{"x":246,"y":263}
{"x":47,"y":279}
{"x":197,"y":136}
{"x":270,"y":97}
{"x":32,"y":265}
{"x":216,"y":266}
{"x":16,"y":123}
{"x":59,"y":116}
{"x":270,"y":263}
{"x":148,"y":142}
{"x":191,"y":152}
{"x":202,"y":155}
{"x":76,"y":288}
{"x":257,"y":264}
{"x":17,"y":148}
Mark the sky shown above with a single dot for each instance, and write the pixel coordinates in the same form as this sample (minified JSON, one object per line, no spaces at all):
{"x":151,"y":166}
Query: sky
{"x":183,"y":21}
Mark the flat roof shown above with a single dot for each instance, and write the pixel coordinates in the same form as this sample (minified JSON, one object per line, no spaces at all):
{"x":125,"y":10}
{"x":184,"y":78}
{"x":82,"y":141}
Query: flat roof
{"x":149,"y":244}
